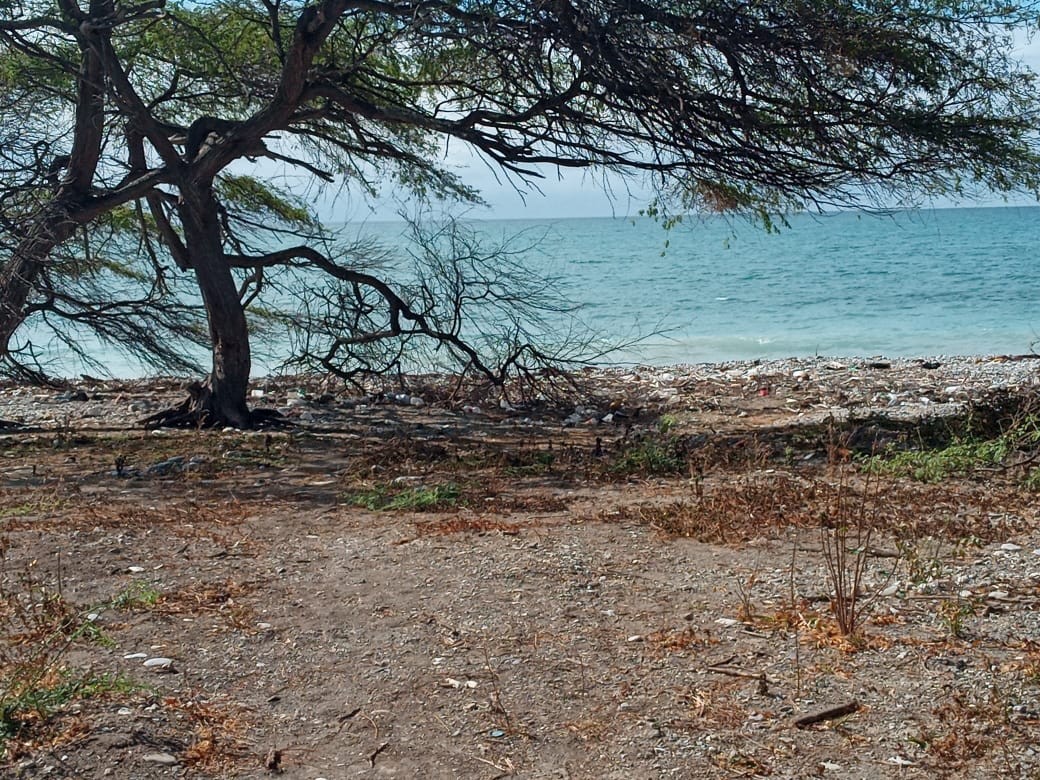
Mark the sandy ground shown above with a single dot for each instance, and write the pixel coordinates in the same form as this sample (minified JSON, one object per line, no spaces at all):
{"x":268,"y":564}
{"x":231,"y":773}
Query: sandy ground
{"x":404,"y":591}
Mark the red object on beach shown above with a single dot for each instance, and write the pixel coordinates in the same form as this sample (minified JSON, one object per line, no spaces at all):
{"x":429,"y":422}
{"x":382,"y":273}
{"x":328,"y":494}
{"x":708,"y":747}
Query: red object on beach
{"x":763,"y":392}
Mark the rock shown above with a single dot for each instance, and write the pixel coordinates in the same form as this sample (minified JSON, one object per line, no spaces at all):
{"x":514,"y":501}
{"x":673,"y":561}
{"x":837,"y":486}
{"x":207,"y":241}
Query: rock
{"x":159,"y":664}
{"x":72,"y":395}
{"x":162,"y":468}
{"x":416,"y":401}
{"x":1010,"y":547}
{"x":160,"y":758}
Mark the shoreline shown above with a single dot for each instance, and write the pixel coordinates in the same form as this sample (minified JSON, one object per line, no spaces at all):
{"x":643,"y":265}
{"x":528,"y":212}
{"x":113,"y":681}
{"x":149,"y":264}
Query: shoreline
{"x":792,"y":390}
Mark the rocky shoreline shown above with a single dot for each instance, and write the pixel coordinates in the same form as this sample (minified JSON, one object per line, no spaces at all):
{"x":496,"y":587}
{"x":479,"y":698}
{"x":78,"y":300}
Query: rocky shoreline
{"x":796,"y":389}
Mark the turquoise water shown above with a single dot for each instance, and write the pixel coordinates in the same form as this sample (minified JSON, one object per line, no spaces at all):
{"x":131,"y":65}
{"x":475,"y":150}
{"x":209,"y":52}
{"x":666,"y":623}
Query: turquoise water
{"x":949,"y":281}
{"x":936,"y":282}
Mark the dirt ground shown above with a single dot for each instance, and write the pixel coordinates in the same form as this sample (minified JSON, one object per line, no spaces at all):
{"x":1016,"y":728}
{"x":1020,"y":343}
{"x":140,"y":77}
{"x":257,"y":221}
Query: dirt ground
{"x":415,"y":593}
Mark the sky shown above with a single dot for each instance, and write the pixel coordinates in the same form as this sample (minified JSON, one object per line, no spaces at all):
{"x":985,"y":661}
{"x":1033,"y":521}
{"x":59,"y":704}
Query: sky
{"x":571,"y":193}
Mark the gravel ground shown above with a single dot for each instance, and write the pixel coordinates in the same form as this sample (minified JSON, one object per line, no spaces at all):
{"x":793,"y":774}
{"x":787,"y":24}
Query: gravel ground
{"x":557,"y":617}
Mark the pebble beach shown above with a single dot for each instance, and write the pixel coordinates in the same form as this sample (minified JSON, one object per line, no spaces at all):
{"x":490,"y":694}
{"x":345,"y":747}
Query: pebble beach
{"x":802,"y":389}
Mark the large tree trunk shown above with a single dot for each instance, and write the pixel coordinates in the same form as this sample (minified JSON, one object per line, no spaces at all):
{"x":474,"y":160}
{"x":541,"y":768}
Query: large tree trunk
{"x":222,"y":399}
{"x":19,"y":273}
{"x":57,"y":221}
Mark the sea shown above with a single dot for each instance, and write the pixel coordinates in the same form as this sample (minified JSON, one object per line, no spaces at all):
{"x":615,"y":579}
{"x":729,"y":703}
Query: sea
{"x":957,"y":281}
{"x":929,"y":282}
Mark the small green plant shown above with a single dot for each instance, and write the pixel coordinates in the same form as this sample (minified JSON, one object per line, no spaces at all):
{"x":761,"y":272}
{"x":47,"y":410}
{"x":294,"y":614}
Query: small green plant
{"x":531,"y":462}
{"x":666,"y":423}
{"x":652,"y":455}
{"x":954,"y":615}
{"x":38,"y":628}
{"x":137,"y":595}
{"x":922,"y":564}
{"x":958,"y":459}
{"x":29,"y":702}
{"x":965,"y":455}
{"x":414,"y":499}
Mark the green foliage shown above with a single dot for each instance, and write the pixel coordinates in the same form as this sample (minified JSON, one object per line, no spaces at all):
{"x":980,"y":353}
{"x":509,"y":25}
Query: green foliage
{"x":958,"y":459}
{"x":528,"y":463}
{"x":954,"y":614}
{"x":964,"y":456}
{"x":262,"y":200}
{"x":38,"y":628}
{"x":652,"y":455}
{"x":137,"y":595}
{"x":414,"y":499}
{"x":28,"y":705}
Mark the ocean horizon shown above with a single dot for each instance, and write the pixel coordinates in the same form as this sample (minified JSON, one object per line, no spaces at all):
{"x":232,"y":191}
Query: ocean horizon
{"x":956,"y":281}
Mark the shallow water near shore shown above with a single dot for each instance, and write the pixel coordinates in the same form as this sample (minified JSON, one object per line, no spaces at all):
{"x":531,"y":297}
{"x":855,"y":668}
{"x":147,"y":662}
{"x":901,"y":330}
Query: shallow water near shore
{"x":931,"y":282}
{"x":953,"y":281}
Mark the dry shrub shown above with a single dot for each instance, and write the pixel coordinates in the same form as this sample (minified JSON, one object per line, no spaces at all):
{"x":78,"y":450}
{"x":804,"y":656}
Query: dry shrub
{"x":974,"y":729}
{"x":463,"y":524}
{"x":732,"y":512}
{"x":220,"y":731}
{"x":713,"y":707}
{"x":38,"y":628}
{"x":186,"y":518}
{"x":677,"y":640}
{"x":210,"y":598}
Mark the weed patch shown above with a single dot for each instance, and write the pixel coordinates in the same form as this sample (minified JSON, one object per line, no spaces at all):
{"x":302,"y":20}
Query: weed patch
{"x":39,"y":627}
{"x":652,"y":456}
{"x":424,"y":498}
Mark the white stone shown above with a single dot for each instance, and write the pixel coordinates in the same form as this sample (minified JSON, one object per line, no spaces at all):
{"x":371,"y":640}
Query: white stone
{"x":160,"y":758}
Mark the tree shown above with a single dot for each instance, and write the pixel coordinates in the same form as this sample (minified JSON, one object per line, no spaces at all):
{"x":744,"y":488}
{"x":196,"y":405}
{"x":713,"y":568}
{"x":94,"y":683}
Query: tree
{"x":757,"y":107}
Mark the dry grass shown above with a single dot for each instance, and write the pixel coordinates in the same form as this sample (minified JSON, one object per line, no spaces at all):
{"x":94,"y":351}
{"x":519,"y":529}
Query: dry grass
{"x":220,"y":732}
{"x":223,"y":599}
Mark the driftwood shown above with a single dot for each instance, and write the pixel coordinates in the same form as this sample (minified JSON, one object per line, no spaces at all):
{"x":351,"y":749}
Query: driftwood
{"x":831,"y":713}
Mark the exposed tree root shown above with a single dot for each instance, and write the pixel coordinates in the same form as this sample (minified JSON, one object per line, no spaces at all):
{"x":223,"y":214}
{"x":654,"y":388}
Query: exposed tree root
{"x":184,"y":415}
{"x":201,"y":410}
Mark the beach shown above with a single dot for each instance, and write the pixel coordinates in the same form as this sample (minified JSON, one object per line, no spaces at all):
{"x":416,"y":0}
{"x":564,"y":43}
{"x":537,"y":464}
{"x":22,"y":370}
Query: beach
{"x":793,"y":389}
{"x":623,"y":574}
